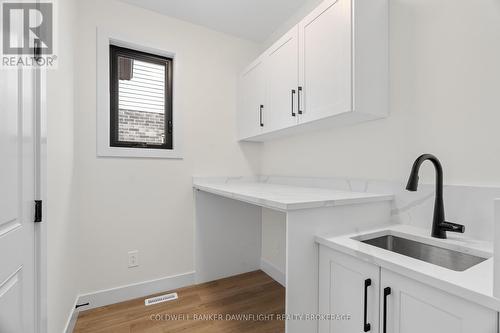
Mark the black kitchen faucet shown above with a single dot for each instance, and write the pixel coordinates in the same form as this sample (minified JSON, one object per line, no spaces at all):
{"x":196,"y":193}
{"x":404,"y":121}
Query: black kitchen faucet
{"x":439,"y":224}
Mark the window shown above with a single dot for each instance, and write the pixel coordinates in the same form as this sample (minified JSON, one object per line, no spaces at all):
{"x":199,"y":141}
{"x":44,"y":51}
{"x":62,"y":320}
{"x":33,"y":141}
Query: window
{"x":140,"y":99}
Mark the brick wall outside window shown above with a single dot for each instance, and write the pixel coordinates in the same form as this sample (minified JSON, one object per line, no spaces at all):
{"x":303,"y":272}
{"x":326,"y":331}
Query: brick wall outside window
{"x":138,"y":126}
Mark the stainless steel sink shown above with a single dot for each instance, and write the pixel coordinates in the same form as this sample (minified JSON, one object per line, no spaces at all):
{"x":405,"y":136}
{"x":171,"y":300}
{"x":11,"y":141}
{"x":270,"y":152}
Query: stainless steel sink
{"x":450,"y":259}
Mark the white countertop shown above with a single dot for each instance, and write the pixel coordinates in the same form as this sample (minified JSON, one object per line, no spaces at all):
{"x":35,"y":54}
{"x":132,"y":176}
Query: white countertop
{"x":285,"y":197}
{"x":474,"y":284}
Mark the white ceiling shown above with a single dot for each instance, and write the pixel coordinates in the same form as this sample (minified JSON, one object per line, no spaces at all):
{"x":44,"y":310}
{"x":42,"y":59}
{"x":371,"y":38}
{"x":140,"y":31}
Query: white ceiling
{"x":255,"y":20}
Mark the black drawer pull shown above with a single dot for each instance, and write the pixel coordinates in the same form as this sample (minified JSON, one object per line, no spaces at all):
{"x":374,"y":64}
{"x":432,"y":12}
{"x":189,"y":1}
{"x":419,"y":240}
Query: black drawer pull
{"x":367,"y":327}
{"x":293,"y":97}
{"x":387,"y":292}
{"x":260,"y":115}
{"x":299,"y":95}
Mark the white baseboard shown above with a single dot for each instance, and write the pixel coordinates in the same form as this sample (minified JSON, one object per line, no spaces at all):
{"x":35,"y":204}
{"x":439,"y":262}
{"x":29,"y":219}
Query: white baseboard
{"x":136,"y":290}
{"x":126,"y":293}
{"x":73,"y":316}
{"x":274,"y":272}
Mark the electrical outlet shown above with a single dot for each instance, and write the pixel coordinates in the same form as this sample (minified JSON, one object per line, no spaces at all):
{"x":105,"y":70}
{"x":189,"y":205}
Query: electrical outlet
{"x":133,"y":259}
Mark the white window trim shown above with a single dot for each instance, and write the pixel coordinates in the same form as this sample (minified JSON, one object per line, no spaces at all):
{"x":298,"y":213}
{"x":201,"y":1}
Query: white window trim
{"x":104,"y":149}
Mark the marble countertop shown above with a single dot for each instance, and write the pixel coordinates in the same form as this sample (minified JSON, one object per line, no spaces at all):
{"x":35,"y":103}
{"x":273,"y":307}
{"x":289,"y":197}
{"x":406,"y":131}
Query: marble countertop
{"x":284,"y":197}
{"x":474,"y":284}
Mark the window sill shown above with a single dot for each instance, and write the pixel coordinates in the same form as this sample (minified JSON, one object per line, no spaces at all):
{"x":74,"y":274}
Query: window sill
{"x":138,"y":152}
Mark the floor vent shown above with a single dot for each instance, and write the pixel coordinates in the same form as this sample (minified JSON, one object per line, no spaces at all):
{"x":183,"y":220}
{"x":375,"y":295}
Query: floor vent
{"x":161,"y":299}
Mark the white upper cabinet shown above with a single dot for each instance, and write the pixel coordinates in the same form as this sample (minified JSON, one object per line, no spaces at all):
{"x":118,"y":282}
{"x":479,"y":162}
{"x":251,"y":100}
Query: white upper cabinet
{"x":252,"y":96}
{"x":282,"y":61}
{"x":330,"y":69}
{"x":325,"y":61}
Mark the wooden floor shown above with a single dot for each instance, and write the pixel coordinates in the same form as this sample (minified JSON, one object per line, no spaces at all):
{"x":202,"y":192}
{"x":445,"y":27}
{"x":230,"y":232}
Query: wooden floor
{"x":251,"y":294}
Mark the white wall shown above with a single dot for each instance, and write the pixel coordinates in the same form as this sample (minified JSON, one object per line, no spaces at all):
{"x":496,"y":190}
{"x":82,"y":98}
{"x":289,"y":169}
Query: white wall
{"x":147,"y":204}
{"x":61,"y":219}
{"x":445,"y":79}
{"x":274,"y":238}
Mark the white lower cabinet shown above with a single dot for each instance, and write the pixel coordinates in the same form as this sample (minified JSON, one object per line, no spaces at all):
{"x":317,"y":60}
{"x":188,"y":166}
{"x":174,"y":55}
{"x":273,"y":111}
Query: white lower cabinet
{"x":345,"y":286}
{"x":394,"y":303}
{"x":413,"y":307}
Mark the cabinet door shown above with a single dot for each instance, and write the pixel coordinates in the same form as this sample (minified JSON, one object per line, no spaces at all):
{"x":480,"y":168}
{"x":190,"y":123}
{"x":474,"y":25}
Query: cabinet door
{"x":252,"y":95}
{"x":325,"y":60}
{"x":413,"y":307}
{"x":283,"y":65}
{"x":342,"y":290}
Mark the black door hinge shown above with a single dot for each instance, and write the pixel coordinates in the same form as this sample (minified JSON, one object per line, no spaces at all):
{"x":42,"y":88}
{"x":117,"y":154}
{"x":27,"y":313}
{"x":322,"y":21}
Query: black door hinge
{"x":37,"y":51}
{"x":170,"y":127}
{"x":38,"y":211}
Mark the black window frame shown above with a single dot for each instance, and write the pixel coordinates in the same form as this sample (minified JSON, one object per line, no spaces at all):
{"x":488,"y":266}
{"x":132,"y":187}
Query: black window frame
{"x":114,"y":53}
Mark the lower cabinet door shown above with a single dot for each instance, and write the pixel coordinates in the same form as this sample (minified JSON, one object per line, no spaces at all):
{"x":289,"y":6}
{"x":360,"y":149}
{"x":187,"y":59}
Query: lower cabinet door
{"x":347,"y":286}
{"x":413,"y":307}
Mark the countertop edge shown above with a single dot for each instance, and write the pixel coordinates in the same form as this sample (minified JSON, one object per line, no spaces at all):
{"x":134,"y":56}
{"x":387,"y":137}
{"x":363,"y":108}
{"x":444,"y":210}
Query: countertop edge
{"x":470,"y":295}
{"x":243,"y":198}
{"x":373,"y":197}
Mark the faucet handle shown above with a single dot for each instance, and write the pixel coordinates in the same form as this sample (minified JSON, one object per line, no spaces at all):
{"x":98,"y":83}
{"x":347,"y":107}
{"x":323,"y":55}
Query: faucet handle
{"x":453,"y":227}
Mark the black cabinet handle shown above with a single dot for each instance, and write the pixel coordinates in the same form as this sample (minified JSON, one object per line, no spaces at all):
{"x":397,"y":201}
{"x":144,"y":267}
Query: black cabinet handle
{"x":38,"y":211}
{"x":293,"y":97}
{"x":260,"y":115}
{"x":367,"y":326}
{"x":298,"y":108}
{"x":387,"y":292}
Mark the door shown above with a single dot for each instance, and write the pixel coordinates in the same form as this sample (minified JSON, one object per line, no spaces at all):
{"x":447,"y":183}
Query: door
{"x":17,"y":194}
{"x":348,"y":287}
{"x":282,"y":85}
{"x":413,"y":307}
{"x":325,"y":73}
{"x":252,"y":109}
